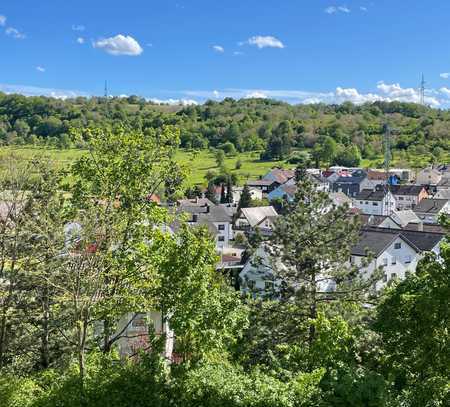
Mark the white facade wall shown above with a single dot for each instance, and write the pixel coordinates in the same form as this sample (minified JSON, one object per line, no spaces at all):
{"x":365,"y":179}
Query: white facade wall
{"x":404,"y":202}
{"x":224,"y":234}
{"x":396,"y":262}
{"x":382,"y":208}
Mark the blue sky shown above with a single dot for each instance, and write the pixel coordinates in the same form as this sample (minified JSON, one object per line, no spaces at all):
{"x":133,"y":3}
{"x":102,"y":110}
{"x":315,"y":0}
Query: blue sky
{"x":294,"y":50}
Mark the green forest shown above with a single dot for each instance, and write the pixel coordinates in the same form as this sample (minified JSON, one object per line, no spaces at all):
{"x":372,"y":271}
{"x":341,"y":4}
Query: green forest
{"x":344,"y":134}
{"x":63,"y":290}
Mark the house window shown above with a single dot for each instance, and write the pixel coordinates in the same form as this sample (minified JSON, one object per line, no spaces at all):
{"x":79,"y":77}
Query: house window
{"x":251,"y":284}
{"x":393,"y":276}
{"x":400,"y":198}
{"x":397,"y":246}
{"x":375,"y":203}
{"x":221,"y":227}
{"x":385,"y":278}
{"x":352,"y":259}
{"x":367,"y":202}
{"x":407,"y":273}
{"x":361,"y":202}
{"x":394,"y":261}
{"x":385,"y":262}
{"x":408,"y":259}
{"x":221,"y":238}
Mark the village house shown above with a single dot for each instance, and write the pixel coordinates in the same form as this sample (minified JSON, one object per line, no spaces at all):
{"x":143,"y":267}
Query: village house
{"x":255,"y":193}
{"x":396,"y":252}
{"x":429,"y":210}
{"x":264,"y":185}
{"x":215,"y":217}
{"x":429,"y":176}
{"x":401,"y":220}
{"x":379,"y":202}
{"x":408,"y":196}
{"x":351,"y":185}
{"x":261,"y":218}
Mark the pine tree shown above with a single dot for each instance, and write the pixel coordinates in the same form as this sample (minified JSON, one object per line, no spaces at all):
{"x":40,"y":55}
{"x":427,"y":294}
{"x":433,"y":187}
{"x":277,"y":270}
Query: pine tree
{"x":313,"y":242}
{"x":229,"y":197}
{"x":210,"y":193}
{"x":309,"y":251}
{"x":245,"y":200}
{"x":223,"y":198}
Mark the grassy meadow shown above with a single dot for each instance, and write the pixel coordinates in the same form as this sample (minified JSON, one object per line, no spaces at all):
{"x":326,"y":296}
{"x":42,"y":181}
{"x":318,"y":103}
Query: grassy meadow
{"x":200,"y":162}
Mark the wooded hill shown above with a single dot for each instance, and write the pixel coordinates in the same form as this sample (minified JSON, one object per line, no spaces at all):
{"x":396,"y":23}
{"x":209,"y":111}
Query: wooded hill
{"x":349,"y":131}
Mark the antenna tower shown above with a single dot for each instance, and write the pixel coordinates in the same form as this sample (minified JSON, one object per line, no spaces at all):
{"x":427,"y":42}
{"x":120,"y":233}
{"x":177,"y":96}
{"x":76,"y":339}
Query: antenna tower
{"x":106,"y":89}
{"x":387,"y":165}
{"x":422,"y":91}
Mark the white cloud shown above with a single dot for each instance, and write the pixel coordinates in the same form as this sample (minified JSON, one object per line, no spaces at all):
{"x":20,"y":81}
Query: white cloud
{"x":80,"y":40}
{"x":218,"y":48}
{"x":256,"y":95}
{"x":40,"y":68}
{"x":445,"y":75}
{"x":445,"y":92}
{"x":384,"y":92}
{"x":119,"y":45}
{"x":216,"y":94}
{"x":37,"y":91}
{"x":337,"y":9}
{"x":362,"y":8}
{"x":76,"y":27}
{"x":15,"y":33}
{"x":344,"y":9}
{"x":2,"y":20}
{"x":261,"y":41}
{"x":237,"y":53}
{"x":174,"y":102}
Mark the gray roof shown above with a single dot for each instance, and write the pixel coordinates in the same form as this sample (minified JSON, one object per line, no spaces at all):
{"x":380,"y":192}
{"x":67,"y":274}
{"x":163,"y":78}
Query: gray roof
{"x":369,"y":195}
{"x":424,"y":241}
{"x":443,"y":194}
{"x":255,"y":215}
{"x":430,"y":205}
{"x":214,"y":213}
{"x":376,"y":240}
{"x":339,"y":198}
{"x":403,"y":218}
{"x":261,"y":182}
{"x":413,"y":190}
{"x":195,"y":201}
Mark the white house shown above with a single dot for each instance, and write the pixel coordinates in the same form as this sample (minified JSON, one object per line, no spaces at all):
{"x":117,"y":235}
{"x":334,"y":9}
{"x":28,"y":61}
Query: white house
{"x":408,"y":196}
{"x":259,"y":217}
{"x":377,"y":202}
{"x":215,"y":217}
{"x":397,"y":252}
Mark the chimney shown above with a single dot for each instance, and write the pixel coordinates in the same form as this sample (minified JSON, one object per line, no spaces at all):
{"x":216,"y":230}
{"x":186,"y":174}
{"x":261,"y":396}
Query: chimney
{"x":207,"y":208}
{"x":420,"y":226}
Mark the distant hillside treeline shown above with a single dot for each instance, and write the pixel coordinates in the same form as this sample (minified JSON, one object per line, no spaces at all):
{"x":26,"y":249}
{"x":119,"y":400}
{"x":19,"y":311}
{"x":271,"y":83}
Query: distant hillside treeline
{"x":348,"y":131}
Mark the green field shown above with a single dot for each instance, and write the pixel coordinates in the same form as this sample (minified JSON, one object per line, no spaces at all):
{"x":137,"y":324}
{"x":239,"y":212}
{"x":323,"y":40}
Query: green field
{"x":197,"y":164}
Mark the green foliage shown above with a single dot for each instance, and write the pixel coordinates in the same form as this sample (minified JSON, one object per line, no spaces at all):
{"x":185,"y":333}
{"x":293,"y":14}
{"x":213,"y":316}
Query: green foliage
{"x":413,"y":322}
